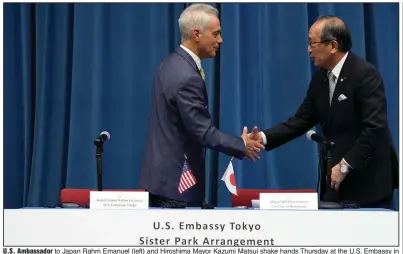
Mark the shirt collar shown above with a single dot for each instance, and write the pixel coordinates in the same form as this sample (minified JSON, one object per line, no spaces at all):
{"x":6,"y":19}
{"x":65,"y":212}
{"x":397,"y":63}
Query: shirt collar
{"x":337,"y":69}
{"x":194,"y":56}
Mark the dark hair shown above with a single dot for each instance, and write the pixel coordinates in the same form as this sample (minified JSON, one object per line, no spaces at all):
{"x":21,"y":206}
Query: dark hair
{"x":335,"y":29}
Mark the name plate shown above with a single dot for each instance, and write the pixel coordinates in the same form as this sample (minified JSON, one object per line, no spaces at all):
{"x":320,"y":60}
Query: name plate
{"x":118,"y":200}
{"x":289,"y":201}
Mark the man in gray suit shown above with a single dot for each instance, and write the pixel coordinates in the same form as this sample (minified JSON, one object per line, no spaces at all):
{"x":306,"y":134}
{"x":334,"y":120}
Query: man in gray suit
{"x":180,"y":127}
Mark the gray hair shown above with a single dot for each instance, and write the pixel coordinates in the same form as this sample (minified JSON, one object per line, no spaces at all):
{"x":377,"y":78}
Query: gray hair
{"x":195,"y":16}
{"x":335,"y":29}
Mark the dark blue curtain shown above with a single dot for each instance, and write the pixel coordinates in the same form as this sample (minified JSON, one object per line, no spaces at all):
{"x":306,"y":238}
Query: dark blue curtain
{"x":74,"y":70}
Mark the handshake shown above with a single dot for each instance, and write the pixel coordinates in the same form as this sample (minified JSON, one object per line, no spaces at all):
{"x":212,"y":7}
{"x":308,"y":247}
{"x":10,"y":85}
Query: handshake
{"x":253,"y":143}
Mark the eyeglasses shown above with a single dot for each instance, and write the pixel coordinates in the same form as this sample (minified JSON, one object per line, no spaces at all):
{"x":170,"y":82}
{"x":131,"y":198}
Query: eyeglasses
{"x":310,"y":43}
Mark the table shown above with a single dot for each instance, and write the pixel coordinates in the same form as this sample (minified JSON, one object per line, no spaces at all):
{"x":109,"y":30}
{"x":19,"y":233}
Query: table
{"x":224,"y":208}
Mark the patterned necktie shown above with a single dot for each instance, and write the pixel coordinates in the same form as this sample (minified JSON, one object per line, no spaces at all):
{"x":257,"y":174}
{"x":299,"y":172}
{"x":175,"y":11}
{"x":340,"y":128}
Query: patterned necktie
{"x":332,"y":85}
{"x":202,"y":73}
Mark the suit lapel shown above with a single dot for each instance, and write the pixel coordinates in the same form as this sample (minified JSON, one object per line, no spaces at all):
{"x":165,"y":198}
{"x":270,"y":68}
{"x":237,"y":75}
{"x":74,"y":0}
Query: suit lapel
{"x":184,"y":54}
{"x":326,"y":95}
{"x":189,"y":58}
{"x":342,"y":81}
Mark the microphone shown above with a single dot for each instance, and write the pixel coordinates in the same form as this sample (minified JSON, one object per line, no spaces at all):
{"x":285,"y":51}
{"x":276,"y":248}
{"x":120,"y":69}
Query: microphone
{"x":104,"y":136}
{"x":99,"y":141}
{"x":311,"y":135}
{"x":328,"y":145}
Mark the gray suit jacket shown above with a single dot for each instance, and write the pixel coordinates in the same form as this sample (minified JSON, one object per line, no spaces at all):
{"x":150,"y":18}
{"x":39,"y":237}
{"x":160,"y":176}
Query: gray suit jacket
{"x":179,"y":124}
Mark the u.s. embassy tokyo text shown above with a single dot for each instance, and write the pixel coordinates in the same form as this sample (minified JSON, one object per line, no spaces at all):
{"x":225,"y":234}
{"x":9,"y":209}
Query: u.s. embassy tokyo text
{"x":196,"y":226}
{"x":208,"y":227}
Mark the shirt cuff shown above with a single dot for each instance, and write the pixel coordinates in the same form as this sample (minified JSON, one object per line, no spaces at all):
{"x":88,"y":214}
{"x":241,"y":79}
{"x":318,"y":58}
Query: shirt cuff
{"x":263,"y":138}
{"x":347,"y":163}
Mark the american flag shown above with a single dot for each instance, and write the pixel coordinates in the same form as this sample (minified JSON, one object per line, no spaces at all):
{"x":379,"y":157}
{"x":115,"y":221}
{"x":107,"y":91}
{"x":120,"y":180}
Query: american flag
{"x":187,"y":179}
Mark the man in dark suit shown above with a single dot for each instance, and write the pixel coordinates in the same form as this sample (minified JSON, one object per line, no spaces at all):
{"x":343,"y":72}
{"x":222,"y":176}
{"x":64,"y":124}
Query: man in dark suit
{"x":347,"y":97}
{"x":180,"y":128}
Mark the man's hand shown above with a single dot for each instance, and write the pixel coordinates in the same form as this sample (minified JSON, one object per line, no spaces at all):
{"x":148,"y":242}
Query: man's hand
{"x":337,"y":177}
{"x":255,"y":135}
{"x":252,"y":146}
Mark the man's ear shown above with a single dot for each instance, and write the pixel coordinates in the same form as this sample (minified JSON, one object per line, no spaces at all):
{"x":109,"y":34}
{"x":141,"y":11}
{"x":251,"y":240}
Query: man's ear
{"x":335,"y":46}
{"x":196,"y":34}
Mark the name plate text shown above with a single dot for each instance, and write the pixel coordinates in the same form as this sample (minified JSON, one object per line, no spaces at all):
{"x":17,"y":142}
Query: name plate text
{"x":118,"y":200}
{"x":289,"y":201}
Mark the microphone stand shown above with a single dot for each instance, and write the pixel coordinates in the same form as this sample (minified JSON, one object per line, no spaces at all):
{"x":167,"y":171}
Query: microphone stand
{"x":328,"y":158}
{"x":98,"y":155}
{"x":207,"y":205}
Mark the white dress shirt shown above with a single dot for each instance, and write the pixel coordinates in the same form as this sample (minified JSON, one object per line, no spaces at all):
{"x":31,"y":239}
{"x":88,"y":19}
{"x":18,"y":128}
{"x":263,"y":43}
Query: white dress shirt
{"x":194,"y":56}
{"x":337,"y":69}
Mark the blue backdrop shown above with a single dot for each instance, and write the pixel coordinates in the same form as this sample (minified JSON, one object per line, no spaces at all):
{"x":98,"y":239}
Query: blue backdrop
{"x":74,"y":70}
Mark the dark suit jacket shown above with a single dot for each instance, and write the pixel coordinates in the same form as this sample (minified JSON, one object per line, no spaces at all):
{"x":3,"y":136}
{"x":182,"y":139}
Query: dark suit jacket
{"x":358,"y":125}
{"x":180,"y":124}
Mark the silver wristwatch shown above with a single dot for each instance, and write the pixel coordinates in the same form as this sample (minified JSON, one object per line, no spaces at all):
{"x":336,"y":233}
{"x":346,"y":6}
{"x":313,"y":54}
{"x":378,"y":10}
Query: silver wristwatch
{"x":343,"y":168}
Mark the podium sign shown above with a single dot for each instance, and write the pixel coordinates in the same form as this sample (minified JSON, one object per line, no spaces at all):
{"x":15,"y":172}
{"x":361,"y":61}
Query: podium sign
{"x":289,"y":201}
{"x":106,"y":200}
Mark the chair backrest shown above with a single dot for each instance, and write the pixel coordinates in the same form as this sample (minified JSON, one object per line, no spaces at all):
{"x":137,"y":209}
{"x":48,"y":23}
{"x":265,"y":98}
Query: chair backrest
{"x":81,"y":197}
{"x":245,"y":196}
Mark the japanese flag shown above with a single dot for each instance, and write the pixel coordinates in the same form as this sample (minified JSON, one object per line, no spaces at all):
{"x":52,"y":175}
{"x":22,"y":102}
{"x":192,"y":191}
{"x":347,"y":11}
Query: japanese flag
{"x":229,"y":179}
